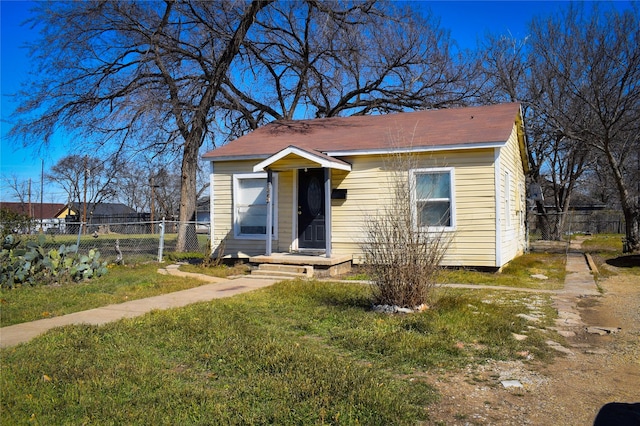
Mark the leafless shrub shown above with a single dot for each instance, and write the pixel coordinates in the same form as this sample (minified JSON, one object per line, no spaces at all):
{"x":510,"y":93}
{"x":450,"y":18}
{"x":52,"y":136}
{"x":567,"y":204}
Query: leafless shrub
{"x":401,"y":258}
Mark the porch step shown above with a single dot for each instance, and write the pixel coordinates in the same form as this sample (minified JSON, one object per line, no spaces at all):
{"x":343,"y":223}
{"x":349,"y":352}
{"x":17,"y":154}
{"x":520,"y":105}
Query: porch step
{"x":283,"y":271}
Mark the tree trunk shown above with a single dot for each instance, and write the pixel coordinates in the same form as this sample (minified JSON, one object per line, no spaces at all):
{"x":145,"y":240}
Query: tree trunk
{"x":187,"y":238}
{"x":562,"y":218}
{"x":543,"y":221}
{"x":194,"y":137}
{"x":630,"y":205}
{"x":632,"y":229}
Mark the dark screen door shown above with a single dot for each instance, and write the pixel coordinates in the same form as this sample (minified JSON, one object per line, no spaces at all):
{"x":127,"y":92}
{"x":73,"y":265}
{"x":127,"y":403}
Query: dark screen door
{"x":311,"y":223}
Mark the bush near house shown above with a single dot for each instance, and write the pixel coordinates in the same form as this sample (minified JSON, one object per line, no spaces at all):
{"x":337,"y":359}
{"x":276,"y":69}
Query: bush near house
{"x":401,"y":257}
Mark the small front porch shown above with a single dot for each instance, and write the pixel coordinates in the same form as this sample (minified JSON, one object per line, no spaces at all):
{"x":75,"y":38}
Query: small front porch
{"x":299,"y":264}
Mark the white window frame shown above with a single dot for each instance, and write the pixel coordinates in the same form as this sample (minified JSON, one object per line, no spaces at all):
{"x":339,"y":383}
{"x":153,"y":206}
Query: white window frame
{"x":414,"y":198}
{"x":274,"y":203}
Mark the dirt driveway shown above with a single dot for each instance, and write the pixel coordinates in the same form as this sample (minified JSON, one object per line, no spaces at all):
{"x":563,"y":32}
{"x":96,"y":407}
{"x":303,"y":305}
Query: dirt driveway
{"x":568,"y":391}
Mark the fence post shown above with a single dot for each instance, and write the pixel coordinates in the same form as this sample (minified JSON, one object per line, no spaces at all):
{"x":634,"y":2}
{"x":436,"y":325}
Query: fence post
{"x":161,"y":245}
{"x":79,"y":235}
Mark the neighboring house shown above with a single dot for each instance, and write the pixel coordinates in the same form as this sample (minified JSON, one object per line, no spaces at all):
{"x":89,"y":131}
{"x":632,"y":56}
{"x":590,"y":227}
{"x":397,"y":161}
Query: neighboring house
{"x":203,"y":215}
{"x":114,"y":211}
{"x":106,"y":218}
{"x":45,"y":215}
{"x":328,"y":175}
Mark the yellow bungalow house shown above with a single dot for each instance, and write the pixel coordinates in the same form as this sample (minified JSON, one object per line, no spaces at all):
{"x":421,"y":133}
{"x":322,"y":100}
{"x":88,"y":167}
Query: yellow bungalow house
{"x":313,"y":183}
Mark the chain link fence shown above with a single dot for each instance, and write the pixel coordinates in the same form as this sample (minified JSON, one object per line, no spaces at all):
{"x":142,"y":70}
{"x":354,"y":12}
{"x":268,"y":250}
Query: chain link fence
{"x":558,"y":226}
{"x":129,"y":242}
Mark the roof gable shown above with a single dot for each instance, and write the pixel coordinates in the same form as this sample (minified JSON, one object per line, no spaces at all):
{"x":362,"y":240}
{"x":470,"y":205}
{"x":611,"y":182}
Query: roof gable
{"x":315,"y":158}
{"x":431,"y":129}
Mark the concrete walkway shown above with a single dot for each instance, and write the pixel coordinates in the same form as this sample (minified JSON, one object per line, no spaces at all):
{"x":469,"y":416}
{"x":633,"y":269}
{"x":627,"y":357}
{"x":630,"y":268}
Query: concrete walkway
{"x":216,"y":289}
{"x":579,"y":282}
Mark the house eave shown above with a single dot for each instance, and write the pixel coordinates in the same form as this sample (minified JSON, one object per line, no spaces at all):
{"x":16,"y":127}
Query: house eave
{"x":236,"y":158}
{"x":377,"y":151}
{"x":414,"y":149}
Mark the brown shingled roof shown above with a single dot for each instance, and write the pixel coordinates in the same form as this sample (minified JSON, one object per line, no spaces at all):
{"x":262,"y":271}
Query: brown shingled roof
{"x":48,"y":210}
{"x":432,"y":128}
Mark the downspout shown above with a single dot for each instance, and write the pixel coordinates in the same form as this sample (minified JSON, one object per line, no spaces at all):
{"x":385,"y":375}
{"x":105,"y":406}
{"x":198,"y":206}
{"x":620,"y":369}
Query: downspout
{"x":268,"y":233}
{"x":327,"y":211}
{"x":211,"y":217}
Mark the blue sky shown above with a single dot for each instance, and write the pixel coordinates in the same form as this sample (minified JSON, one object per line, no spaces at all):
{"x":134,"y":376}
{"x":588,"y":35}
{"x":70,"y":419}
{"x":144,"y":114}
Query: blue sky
{"x":468,"y":22}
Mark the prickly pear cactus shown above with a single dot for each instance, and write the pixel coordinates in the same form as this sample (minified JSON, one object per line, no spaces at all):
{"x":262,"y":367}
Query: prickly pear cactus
{"x":39,"y":266}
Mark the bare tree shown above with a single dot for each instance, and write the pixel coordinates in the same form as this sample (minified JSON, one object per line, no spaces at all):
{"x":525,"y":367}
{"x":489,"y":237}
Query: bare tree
{"x":133,"y":187}
{"x":150,"y":184}
{"x":166,"y":192}
{"x":146,"y":75}
{"x":88,"y":181}
{"x":382,"y":58}
{"x":514,"y":73}
{"x":505,"y":69}
{"x":22,"y":190}
{"x":134,"y":75}
{"x":591,"y":82}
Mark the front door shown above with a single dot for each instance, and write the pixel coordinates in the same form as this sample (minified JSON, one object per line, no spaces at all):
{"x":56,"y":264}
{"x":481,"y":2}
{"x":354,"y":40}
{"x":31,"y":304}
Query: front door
{"x":311,"y":220}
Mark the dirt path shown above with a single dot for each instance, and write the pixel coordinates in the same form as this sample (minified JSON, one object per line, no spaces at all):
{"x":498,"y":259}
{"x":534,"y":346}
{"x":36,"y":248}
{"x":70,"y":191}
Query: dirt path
{"x":568,"y":391}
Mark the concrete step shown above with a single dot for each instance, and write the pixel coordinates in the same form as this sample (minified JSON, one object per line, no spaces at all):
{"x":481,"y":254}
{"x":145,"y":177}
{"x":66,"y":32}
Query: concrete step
{"x":275,"y":274}
{"x":299,"y":269}
{"x":284,"y":271}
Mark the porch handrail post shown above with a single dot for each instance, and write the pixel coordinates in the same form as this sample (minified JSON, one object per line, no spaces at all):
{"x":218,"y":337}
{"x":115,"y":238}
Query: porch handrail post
{"x":269,"y":212}
{"x":327,"y":211}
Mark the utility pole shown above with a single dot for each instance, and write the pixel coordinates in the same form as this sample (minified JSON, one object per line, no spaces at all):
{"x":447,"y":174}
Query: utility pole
{"x":29,"y":207}
{"x":151,"y":204}
{"x":84,"y":208}
{"x":41,"y":193}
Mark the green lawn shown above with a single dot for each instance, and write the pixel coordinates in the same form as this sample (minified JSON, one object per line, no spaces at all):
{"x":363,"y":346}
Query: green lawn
{"x":121,"y":283}
{"x":124,"y":283}
{"x":606,"y":249}
{"x":295,"y":353}
{"x":604,"y":243}
{"x":518,"y":273}
{"x":299,"y":352}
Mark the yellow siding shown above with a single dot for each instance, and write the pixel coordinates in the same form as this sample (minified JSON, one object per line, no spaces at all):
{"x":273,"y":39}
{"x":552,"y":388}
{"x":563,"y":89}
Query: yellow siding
{"x":293,"y":161}
{"x":368,"y":186}
{"x":285,"y":211}
{"x":64,"y":213}
{"x":512,"y":227}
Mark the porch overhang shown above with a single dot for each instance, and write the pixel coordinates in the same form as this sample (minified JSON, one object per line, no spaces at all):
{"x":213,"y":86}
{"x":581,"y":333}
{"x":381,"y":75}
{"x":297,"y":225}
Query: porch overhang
{"x":294,"y":157}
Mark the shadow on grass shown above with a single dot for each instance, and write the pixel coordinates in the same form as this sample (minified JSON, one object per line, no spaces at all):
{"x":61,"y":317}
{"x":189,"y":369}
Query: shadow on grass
{"x":328,"y":294}
{"x":346,"y":301}
{"x":629,"y":261}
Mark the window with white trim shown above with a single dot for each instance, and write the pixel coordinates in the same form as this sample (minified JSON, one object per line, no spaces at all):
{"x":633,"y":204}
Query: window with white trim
{"x":250,"y":205}
{"x":432,"y":198}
